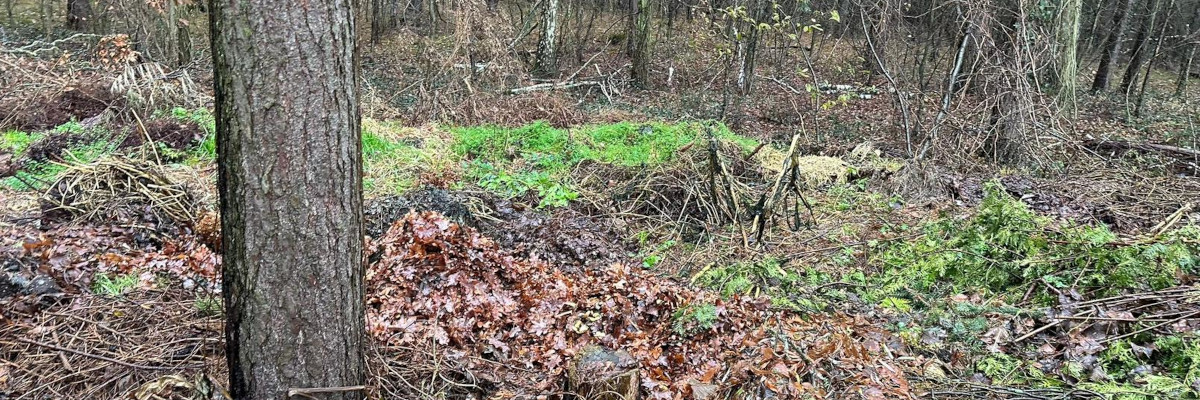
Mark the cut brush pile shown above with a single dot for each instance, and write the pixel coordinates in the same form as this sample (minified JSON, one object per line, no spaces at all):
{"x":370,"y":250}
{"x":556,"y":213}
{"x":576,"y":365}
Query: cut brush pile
{"x":113,"y":185}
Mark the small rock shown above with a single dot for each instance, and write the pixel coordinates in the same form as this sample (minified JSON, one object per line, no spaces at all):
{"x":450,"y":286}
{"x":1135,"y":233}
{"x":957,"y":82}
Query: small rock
{"x":602,"y":374}
{"x":42,"y":285}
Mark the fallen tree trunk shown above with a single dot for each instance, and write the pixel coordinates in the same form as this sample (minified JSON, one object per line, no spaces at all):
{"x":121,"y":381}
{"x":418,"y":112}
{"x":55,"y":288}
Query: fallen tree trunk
{"x":1174,"y":151}
{"x":552,"y":86}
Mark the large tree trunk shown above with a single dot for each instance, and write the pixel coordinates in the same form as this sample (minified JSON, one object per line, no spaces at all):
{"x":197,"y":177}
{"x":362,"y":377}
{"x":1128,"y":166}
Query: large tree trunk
{"x":290,"y":170}
{"x":1112,"y":48}
{"x":79,"y":14}
{"x":640,"y":37}
{"x":547,"y":59}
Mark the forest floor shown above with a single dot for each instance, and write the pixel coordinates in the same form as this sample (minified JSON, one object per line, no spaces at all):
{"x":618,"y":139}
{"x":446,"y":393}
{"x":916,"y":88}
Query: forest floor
{"x":615,"y":254}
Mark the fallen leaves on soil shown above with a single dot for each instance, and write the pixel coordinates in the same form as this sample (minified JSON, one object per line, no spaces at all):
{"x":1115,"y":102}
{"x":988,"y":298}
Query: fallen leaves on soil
{"x":518,"y":322}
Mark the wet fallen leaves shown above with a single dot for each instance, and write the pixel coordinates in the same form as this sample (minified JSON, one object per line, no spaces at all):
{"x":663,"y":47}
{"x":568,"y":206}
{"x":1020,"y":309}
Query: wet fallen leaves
{"x":519,"y":322}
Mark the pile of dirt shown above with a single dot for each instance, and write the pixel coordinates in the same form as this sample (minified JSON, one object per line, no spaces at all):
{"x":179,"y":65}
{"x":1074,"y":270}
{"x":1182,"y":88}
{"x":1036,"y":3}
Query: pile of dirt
{"x":51,"y":147}
{"x":515,"y":325}
{"x":380,"y":213}
{"x":563,"y":236}
{"x":168,"y":132}
{"x":73,"y":103}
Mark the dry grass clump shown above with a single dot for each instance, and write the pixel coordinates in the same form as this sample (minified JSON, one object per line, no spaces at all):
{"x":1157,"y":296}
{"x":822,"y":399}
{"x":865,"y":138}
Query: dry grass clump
{"x":105,"y":187}
{"x":152,"y":86}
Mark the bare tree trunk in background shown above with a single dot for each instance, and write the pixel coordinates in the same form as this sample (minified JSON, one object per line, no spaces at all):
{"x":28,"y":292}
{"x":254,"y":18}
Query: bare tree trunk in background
{"x":1112,"y":48}
{"x":376,"y":20}
{"x":46,"y":17}
{"x":1139,"y":50}
{"x":876,"y":15}
{"x":8,"y":10}
{"x":1068,"y":40}
{"x":1137,"y":110}
{"x":79,"y":15}
{"x":547,"y":60}
{"x":433,"y":16}
{"x":183,"y":36}
{"x":757,"y":10}
{"x":384,"y":14}
{"x":1185,"y":67}
{"x":290,"y":184}
{"x":640,"y":37}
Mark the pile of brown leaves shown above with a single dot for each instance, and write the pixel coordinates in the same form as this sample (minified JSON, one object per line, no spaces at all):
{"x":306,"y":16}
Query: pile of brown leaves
{"x":518,"y":323}
{"x":72,"y":255}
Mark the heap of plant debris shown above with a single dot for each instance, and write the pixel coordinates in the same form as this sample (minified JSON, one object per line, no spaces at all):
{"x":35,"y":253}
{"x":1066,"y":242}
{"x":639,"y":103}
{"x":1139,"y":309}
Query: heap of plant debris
{"x":145,"y":345}
{"x":110,"y":185}
{"x":73,"y":259}
{"x":517,"y":324}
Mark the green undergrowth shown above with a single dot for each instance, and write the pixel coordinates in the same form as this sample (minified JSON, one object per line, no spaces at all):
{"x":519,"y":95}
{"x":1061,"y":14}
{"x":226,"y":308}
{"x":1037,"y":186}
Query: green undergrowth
{"x":1166,"y":367}
{"x":15,"y":142}
{"x":538,"y":158}
{"x":114,"y":285}
{"x":786,"y":287}
{"x":1006,"y":254}
{"x":396,"y":157}
{"x":385,"y":160}
{"x":1006,"y":247}
{"x":694,"y":318}
{"x":206,"y":150}
{"x":38,"y":175}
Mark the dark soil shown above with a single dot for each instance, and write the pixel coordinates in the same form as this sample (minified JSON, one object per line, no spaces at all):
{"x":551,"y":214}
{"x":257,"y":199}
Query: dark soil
{"x":50,"y":148}
{"x":171,"y":133}
{"x":77,"y":103}
{"x":560,"y":237}
{"x":380,"y":213}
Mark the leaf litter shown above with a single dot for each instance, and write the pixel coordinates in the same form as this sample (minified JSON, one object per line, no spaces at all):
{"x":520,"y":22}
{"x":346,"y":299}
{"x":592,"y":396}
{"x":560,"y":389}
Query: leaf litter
{"x":518,"y":322}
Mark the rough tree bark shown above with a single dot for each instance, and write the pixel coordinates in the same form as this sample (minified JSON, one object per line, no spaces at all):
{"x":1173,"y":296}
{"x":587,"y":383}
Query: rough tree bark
{"x":79,"y":14}
{"x":547,"y":60}
{"x":1112,"y":48}
{"x":290,"y":170}
{"x":640,"y":37}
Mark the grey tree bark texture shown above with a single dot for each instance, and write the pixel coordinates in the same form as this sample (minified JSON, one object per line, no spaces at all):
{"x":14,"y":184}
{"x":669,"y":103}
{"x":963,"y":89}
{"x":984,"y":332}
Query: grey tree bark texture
{"x":289,"y":178}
